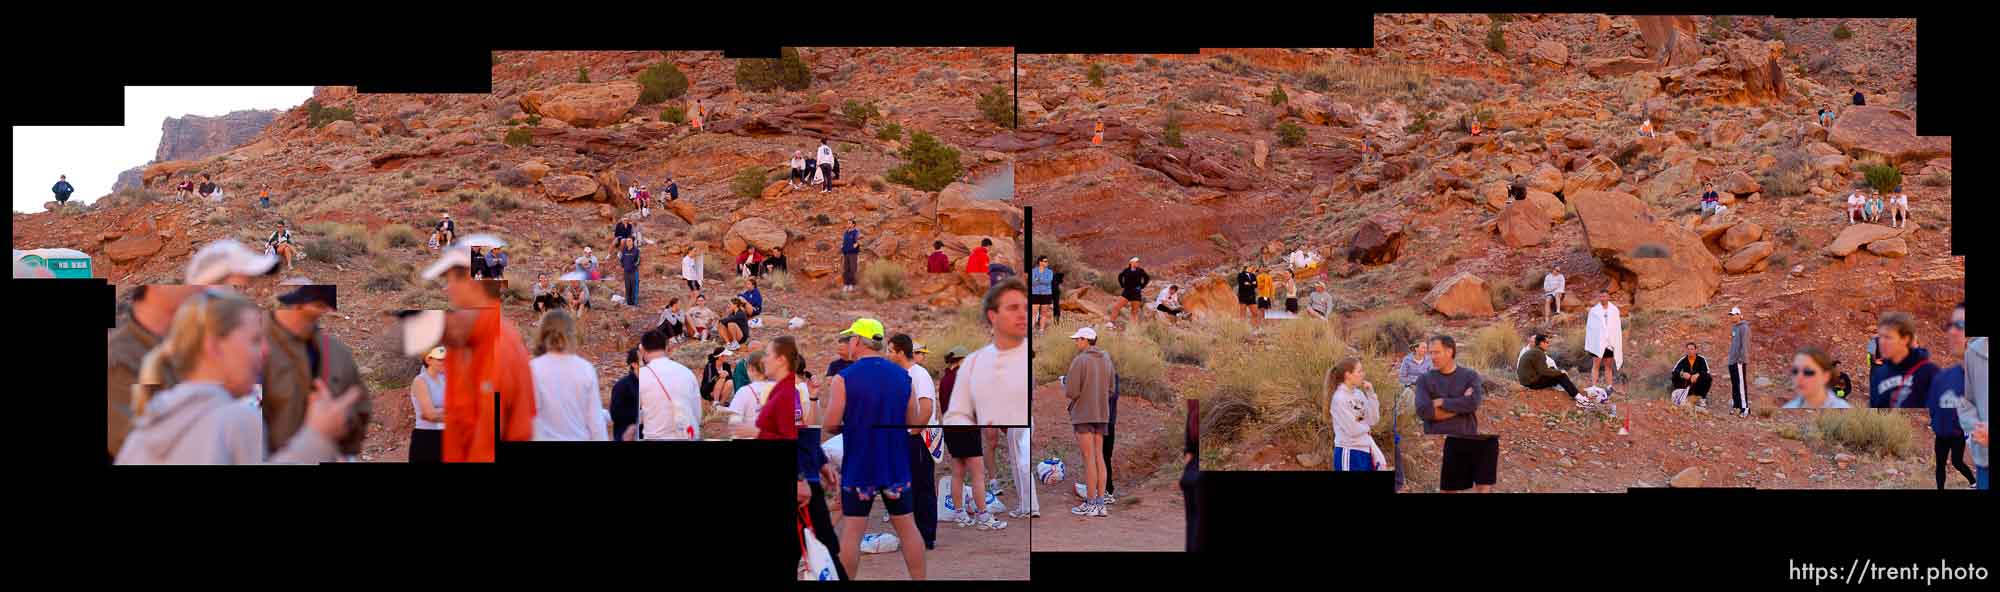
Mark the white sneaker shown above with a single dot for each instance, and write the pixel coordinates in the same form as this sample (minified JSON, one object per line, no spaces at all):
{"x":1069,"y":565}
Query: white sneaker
{"x":950,"y":516}
{"x":1110,"y":499}
{"x":985,"y":521}
{"x":1100,"y":511}
{"x":1083,"y":509}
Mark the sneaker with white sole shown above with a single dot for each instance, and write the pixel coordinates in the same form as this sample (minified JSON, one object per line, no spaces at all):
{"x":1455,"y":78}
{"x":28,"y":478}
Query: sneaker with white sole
{"x":1083,"y":509}
{"x":1100,"y":511}
{"x":1019,"y":514}
{"x":986,"y":521}
{"x":1582,"y":400}
{"x":1110,"y":499}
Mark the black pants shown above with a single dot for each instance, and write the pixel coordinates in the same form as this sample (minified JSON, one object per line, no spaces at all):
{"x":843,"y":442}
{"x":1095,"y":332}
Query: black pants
{"x":1739,"y":391}
{"x":693,"y":285}
{"x":1954,"y":448}
{"x":923,"y":484}
{"x":62,"y":198}
{"x":822,"y":525}
{"x":496,"y":271}
{"x":670,"y":329}
{"x":1698,"y":388}
{"x":826,"y":175}
{"x":1191,"y":500}
{"x":1561,"y":381}
{"x":1110,"y":436}
{"x":545,"y":302}
{"x":427,"y":446}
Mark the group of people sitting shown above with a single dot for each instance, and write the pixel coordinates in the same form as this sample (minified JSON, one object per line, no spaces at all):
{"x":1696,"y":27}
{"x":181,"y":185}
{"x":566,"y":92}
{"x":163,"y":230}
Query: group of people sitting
{"x":642,"y":195}
{"x":1873,"y":207}
{"x":821,"y":169}
{"x":208,"y":188}
{"x":695,"y":321}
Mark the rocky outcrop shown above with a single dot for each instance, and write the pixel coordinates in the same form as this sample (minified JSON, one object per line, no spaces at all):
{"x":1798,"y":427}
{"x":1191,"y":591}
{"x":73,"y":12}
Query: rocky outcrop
{"x":584,"y":104}
{"x":757,"y":232}
{"x":1522,"y":224}
{"x":1618,"y":66}
{"x":1192,"y":168}
{"x":959,"y":213}
{"x":1740,"y":235}
{"x":1550,"y":52}
{"x":1599,"y":174}
{"x":1890,"y":134}
{"x":1554,"y":208}
{"x":166,"y":171}
{"x":135,"y":244}
{"x":1379,"y":240}
{"x":569,"y":187}
{"x":814,"y":119}
{"x":1853,"y":237}
{"x":1668,"y":266}
{"x":1670,"y":40}
{"x":194,"y":138}
{"x":1460,"y":296}
{"x":1750,"y":258}
{"x":1891,"y":248}
{"x":1747,"y":71}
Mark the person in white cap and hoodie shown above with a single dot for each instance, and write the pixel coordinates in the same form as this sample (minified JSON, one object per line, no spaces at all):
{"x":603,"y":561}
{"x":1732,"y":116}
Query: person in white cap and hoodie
{"x":1604,"y":338}
{"x":228,"y":262}
{"x":1087,"y":386}
{"x":1739,"y":357}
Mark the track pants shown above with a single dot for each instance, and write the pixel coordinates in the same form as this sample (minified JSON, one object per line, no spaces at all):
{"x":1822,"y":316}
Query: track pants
{"x":1110,"y":433}
{"x":1016,"y":441}
{"x":1739,"y":387}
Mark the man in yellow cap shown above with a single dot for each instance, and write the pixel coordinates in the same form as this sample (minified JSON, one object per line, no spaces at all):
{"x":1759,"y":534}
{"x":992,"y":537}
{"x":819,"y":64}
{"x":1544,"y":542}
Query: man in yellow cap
{"x":869,"y":395}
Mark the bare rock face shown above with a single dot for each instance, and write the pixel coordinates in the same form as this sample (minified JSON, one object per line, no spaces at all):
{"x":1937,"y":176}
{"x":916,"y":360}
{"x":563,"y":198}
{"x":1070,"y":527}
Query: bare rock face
{"x":569,"y":187}
{"x":1740,"y":235}
{"x":1379,"y":240}
{"x":196,"y":138}
{"x":1891,"y":248}
{"x":1618,"y":66}
{"x":1854,"y":236}
{"x":1750,"y":258}
{"x":1554,"y":208}
{"x":1616,"y":226}
{"x":1747,"y":72}
{"x":135,"y":244}
{"x":1670,"y":40}
{"x":1550,"y":52}
{"x":582,"y":104}
{"x":1460,"y":296}
{"x":1725,"y":133}
{"x":1546,"y":179}
{"x":757,"y":232}
{"x":1523,"y":224}
{"x":1599,"y":174}
{"x":1887,"y":133}
{"x":814,"y":119}
{"x":682,"y":209}
{"x":959,"y":213}
{"x":534,"y":169}
{"x":1190,"y":167}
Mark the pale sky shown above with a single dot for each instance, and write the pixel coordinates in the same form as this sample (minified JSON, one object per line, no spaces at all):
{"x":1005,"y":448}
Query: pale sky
{"x":93,"y":156}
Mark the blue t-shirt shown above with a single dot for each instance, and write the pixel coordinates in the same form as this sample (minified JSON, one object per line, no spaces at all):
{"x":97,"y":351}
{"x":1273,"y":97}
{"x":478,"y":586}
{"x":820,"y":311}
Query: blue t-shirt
{"x":850,"y":242}
{"x":1042,"y":281}
{"x":875,"y":458}
{"x":756,"y":299}
{"x":1949,"y":382}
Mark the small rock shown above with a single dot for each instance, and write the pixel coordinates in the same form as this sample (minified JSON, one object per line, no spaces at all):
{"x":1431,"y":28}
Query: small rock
{"x":1565,"y":462}
{"x":1766,"y":461}
{"x":1309,"y":460}
{"x":1688,"y":477}
{"x":1779,"y":475}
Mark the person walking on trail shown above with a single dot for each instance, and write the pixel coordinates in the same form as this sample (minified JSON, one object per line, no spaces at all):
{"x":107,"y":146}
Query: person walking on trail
{"x":1246,"y":294}
{"x":868,"y":400}
{"x":850,"y":255}
{"x":628,"y":263}
{"x":967,"y":468}
{"x":1811,"y":368}
{"x":1354,"y":410}
{"x":826,"y":164}
{"x":1447,"y":401}
{"x":1041,"y":291}
{"x":1087,"y":386}
{"x":1739,"y":358}
{"x":992,"y":386}
{"x":669,"y":394}
{"x":1553,"y":286}
{"x":569,"y":404}
{"x":979,"y":262}
{"x":938,"y":262}
{"x":625,"y":400}
{"x":280,"y":242}
{"x":1536,"y":369}
{"x":140,"y":331}
{"x":445,"y":232}
{"x":216,"y":346}
{"x":427,"y":407}
{"x":700,"y":115}
{"x":923,"y":465}
{"x":1974,"y":408}
{"x":1132,"y":283}
{"x":485,"y":356}
{"x":63,"y":189}
{"x":303,"y":354}
{"x":1947,"y":389}
{"x":1904,"y":378}
{"x":1604,"y":338}
{"x":691,"y":271}
{"x":1691,"y":373}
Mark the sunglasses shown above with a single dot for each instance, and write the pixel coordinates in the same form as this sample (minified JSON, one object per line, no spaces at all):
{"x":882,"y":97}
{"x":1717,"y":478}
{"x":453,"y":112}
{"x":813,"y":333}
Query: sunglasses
{"x":1806,"y":372}
{"x":1959,"y":325}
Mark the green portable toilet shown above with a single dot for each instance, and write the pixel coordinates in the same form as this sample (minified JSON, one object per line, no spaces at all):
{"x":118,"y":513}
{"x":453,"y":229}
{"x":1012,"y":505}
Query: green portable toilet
{"x":62,"y":263}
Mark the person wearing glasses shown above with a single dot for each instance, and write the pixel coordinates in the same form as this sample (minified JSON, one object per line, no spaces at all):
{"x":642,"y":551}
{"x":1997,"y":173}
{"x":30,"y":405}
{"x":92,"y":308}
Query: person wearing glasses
{"x":1809,"y":378}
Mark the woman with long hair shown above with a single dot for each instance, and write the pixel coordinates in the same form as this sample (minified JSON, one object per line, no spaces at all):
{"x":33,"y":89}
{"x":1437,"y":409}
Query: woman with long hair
{"x":1354,"y":410}
{"x":216,"y":346}
{"x":569,"y":403}
{"x":1809,"y":380}
{"x":791,"y":412}
{"x":427,"y":402}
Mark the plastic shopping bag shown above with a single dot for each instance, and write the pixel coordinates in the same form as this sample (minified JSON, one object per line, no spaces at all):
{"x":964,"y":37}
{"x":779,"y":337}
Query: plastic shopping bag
{"x":880,"y":542}
{"x":815,"y":562}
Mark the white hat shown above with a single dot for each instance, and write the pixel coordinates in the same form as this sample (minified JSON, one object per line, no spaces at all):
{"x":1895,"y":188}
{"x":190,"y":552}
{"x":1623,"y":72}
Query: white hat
{"x":1135,"y":259}
{"x":1084,"y":333}
{"x":227,"y":257}
{"x":1733,"y":311}
{"x":422,"y":330}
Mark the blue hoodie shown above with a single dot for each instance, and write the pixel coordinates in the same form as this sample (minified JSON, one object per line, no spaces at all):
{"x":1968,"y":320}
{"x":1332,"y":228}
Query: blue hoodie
{"x":1886,"y":383}
{"x":1949,"y":383}
{"x":849,"y":242}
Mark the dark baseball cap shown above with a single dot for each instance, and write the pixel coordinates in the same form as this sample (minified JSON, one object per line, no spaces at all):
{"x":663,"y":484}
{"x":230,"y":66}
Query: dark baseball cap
{"x":321,"y":293}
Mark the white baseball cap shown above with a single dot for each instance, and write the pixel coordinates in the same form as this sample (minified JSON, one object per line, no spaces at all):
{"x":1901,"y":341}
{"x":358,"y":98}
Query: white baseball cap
{"x":1733,"y":311}
{"x":422,"y":332}
{"x":227,"y":257}
{"x":1084,"y":333}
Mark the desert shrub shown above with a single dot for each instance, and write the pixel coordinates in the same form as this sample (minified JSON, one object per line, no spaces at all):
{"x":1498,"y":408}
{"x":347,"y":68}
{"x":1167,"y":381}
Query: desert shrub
{"x":1492,"y":348}
{"x":859,"y":112}
{"x":1421,"y":124}
{"x":582,"y":74}
{"x":1531,"y":279}
{"x":1224,"y":414}
{"x":1719,"y":27}
{"x":1096,"y":74}
{"x":1278,"y":96}
{"x":1496,"y":39}
{"x":748,"y":183}
{"x":1501,"y":294}
{"x":789,"y":71}
{"x":1938,"y":179}
{"x":1317,"y":82}
{"x":318,"y":115}
{"x":1882,"y":177}
{"x":1866,"y":430}
{"x":674,"y":114}
{"x":884,"y":280}
{"x":1569,"y":351}
{"x":1181,"y":346}
{"x":1206,"y":93}
{"x":519,"y":137}
{"x":962,"y":331}
{"x":1392,"y":332}
{"x":481,"y":212}
{"x":575,"y":237}
{"x":928,"y":164}
{"x":1842,"y":32}
{"x":890,"y":131}
{"x":496,"y":57}
{"x":497,"y":201}
{"x":1499,"y":17}
{"x":1286,"y":382}
{"x":1789,"y":176}
{"x":1066,"y":260}
{"x":1170,"y":130}
{"x":997,"y":106}
{"x":397,"y":236}
{"x":1291,"y":134}
{"x":661,"y":82}
{"x":335,"y":242}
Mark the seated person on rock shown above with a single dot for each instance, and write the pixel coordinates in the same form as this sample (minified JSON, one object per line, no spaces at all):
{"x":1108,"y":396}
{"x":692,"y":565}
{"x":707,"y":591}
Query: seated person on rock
{"x":1691,"y":373}
{"x":1536,"y":369}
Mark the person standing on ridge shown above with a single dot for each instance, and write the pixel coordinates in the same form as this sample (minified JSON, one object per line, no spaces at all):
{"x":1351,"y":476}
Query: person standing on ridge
{"x":628,"y":262}
{"x":1739,"y":358}
{"x":1604,"y":338}
{"x":1132,"y":283}
{"x":63,"y":189}
{"x":850,"y":255}
{"x":826,"y":165}
{"x":1041,"y":285}
{"x":691,"y":268}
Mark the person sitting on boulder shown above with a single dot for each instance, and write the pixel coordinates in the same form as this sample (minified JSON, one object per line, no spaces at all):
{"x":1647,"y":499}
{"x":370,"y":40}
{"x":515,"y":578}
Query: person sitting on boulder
{"x":776,"y":262}
{"x":1169,"y":303}
{"x":1711,"y":202}
{"x":1553,"y":286}
{"x":1473,"y":125}
{"x":1899,"y":207}
{"x":798,"y":164}
{"x":1646,"y":129}
{"x":673,"y":190}
{"x":207,"y":187}
{"x":1518,"y":191}
{"x":1825,"y":117}
{"x":1692,"y":373}
{"x":644,"y":199}
{"x":445,"y":232}
{"x":185,"y":189}
{"x":1320,"y":303}
{"x":938,"y":262}
{"x":1857,"y":206}
{"x":753,"y":296}
{"x":281,"y":242}
{"x":1536,"y":369}
{"x":1875,"y":208}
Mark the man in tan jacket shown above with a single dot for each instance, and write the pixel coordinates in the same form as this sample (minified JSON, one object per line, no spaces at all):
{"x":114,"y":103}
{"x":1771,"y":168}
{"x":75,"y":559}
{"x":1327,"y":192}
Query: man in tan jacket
{"x":139,"y":332}
{"x":300,"y":353}
{"x":1088,"y":388}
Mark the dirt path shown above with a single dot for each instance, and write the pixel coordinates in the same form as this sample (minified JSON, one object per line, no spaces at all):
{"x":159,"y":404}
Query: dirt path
{"x":1149,"y":514}
{"x":961,"y":554}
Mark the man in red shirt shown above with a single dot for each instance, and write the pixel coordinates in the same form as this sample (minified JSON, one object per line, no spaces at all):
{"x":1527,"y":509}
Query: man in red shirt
{"x":485,"y":356}
{"x":939,"y":262}
{"x":976,"y":262}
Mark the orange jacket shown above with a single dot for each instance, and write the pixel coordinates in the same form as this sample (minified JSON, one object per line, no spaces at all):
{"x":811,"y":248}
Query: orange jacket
{"x":495,"y":360}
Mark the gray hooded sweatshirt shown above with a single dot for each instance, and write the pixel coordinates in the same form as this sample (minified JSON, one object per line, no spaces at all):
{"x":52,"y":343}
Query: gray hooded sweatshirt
{"x":1739,"y":343}
{"x":1088,"y":386}
{"x":1973,"y":407}
{"x":199,"y":423}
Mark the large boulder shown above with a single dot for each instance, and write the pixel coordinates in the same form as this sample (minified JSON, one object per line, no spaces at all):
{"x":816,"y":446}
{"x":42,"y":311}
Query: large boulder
{"x":1673,"y":271}
{"x":1675,"y":182}
{"x":808,"y":119}
{"x":1855,"y":235}
{"x":683,"y":210}
{"x":1740,"y":235}
{"x":1379,"y":240}
{"x":1725,"y":133}
{"x":1747,"y":71}
{"x":1550,"y":52}
{"x":1740,"y":183}
{"x":1890,"y":134}
{"x":1749,"y":258}
{"x":1522,"y":224}
{"x":1597,"y":175}
{"x":135,"y":244}
{"x":1546,"y":178}
{"x":757,"y":232}
{"x":1618,"y":66}
{"x":1891,"y":248}
{"x":1670,"y":40}
{"x":584,"y":104}
{"x":569,"y":187}
{"x":534,"y":169}
{"x":340,"y":131}
{"x":1210,"y":296}
{"x":1554,"y":208}
{"x":1460,"y":296}
{"x":959,"y":213}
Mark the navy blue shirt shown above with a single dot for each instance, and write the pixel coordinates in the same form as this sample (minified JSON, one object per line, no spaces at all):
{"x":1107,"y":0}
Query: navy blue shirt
{"x":625,"y":405}
{"x":850,"y":242}
{"x":756,"y":299}
{"x":673,"y":191}
{"x":1948,"y":383}
{"x":629,"y":259}
{"x":1886,"y":383}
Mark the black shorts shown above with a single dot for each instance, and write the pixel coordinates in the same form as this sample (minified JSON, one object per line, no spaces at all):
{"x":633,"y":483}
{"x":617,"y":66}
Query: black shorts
{"x":1133,"y":296}
{"x":1096,"y":427}
{"x":1246,"y":299}
{"x":1608,"y":353}
{"x":962,"y":442}
{"x":852,"y":506}
{"x":1264,"y":303}
{"x":1468,"y":461}
{"x":1041,"y":299}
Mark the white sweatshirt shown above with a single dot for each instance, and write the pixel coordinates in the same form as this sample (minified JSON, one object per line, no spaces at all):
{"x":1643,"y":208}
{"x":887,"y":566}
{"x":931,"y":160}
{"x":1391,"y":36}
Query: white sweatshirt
{"x":1355,"y":412}
{"x":200,"y":423}
{"x":569,"y":405}
{"x":1554,"y":283}
{"x":691,"y":267}
{"x":991,"y":388}
{"x":825,"y":155}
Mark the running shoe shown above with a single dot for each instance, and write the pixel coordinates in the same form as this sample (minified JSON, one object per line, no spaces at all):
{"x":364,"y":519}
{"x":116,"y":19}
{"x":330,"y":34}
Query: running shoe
{"x":987,"y":522}
{"x":1110,"y":499}
{"x":1604,"y":396}
{"x":1582,"y":401}
{"x":1083,"y":509}
{"x":1019,"y":514}
{"x":1100,"y":511}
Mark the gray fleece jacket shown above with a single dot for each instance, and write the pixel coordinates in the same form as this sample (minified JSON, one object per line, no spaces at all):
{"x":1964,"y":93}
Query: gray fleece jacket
{"x":199,"y":423}
{"x":1739,"y":343}
{"x":1973,"y":408}
{"x":1088,"y":386}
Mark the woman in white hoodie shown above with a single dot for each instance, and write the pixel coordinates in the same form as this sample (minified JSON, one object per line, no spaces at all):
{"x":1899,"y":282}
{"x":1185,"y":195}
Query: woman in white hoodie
{"x":1354,"y":409}
{"x":216,"y":346}
{"x":691,"y":268}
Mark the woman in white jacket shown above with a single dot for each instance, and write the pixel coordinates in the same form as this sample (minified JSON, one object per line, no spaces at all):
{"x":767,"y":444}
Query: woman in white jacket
{"x":1603,"y":338}
{"x":216,"y":345}
{"x":691,"y":268}
{"x":1354,"y":410}
{"x":569,"y":400}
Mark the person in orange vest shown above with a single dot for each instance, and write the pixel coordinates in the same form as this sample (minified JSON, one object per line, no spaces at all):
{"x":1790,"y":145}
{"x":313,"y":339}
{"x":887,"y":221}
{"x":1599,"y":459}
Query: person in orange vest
{"x":485,"y":355}
{"x":1097,"y":139}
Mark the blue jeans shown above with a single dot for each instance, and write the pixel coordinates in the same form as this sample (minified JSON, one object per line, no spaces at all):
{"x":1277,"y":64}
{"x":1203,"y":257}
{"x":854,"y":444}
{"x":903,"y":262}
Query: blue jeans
{"x":1984,"y":479}
{"x":1708,"y":207}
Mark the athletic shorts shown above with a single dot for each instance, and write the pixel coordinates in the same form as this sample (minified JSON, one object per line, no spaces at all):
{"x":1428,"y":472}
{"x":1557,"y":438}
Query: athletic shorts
{"x":1041,"y":299}
{"x":1352,"y":459}
{"x":852,"y":506}
{"x":1133,"y":296}
{"x":1469,"y":461}
{"x":1608,"y":353}
{"x":1246,"y":300}
{"x":1095,"y":427}
{"x":962,"y":442}
{"x":1264,"y":303}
